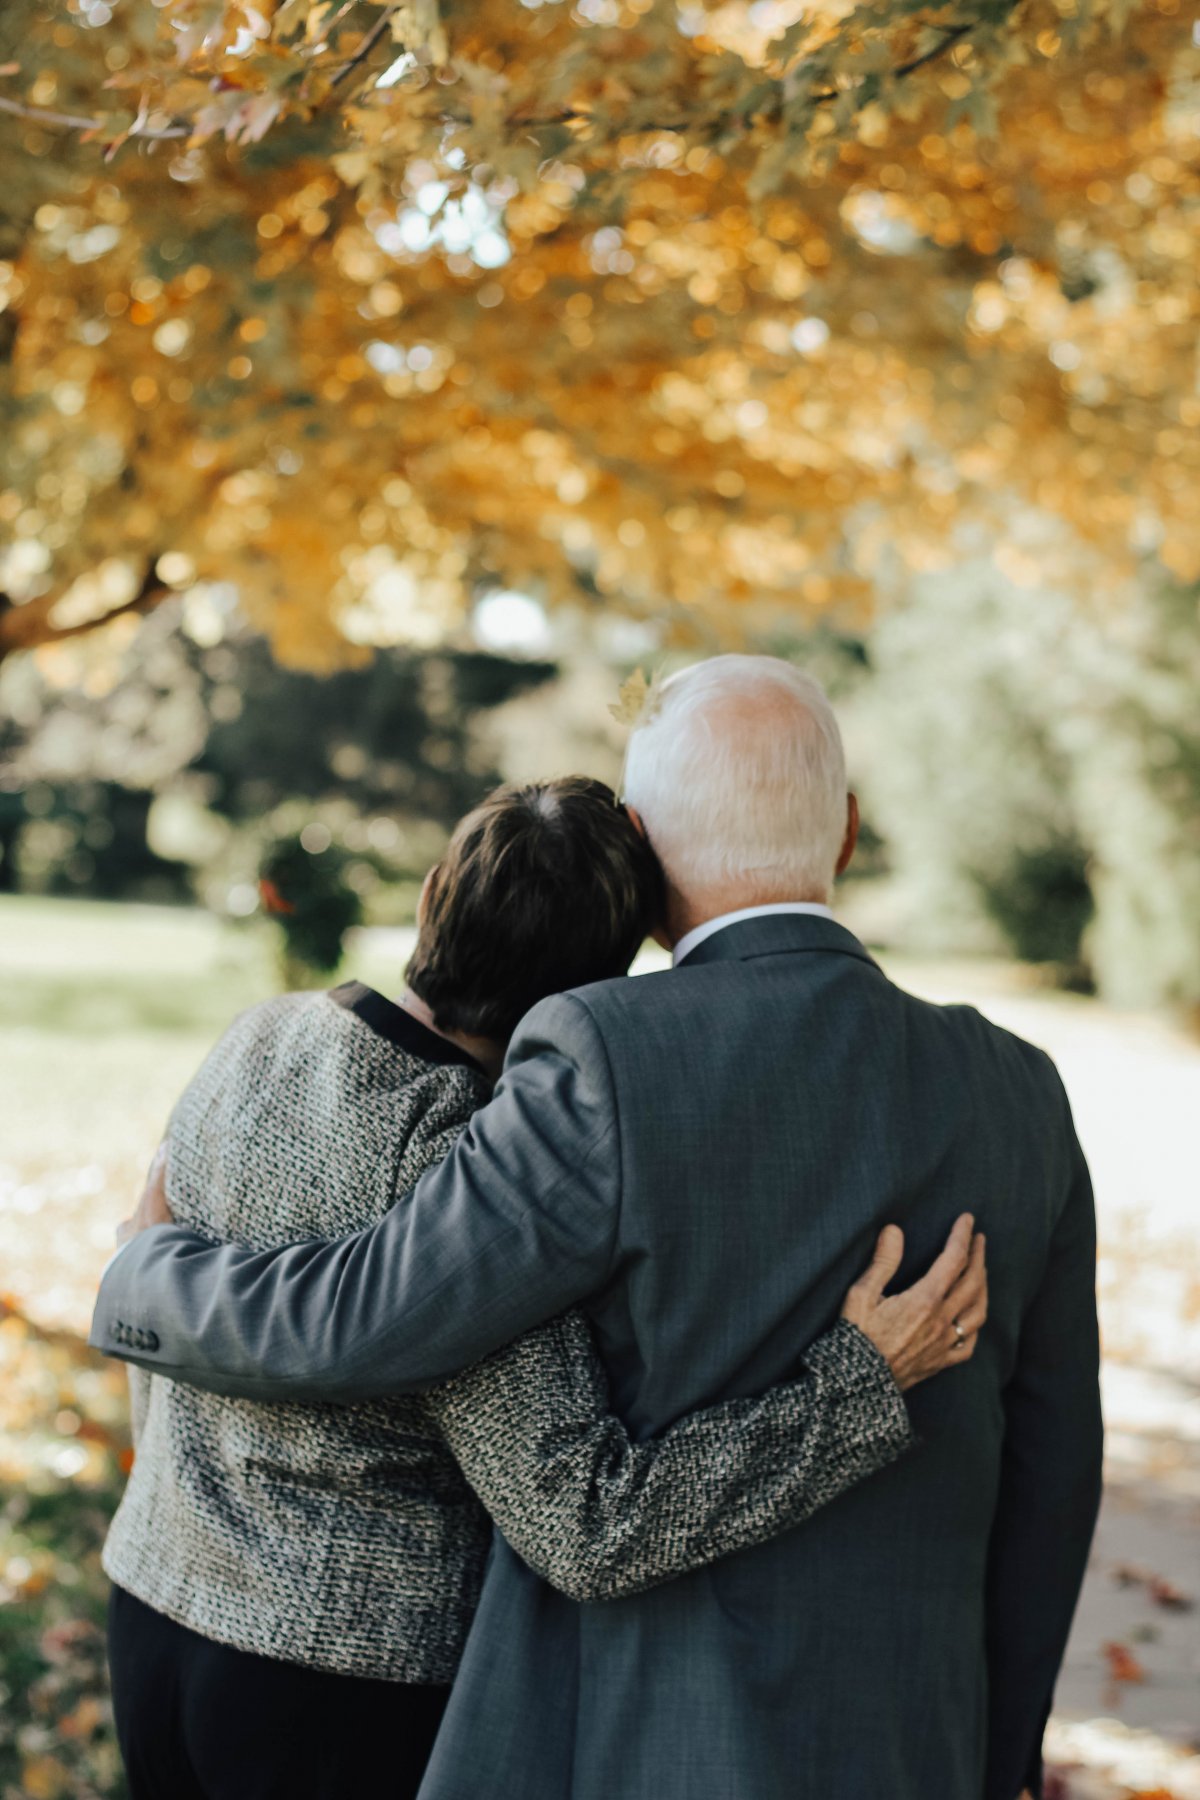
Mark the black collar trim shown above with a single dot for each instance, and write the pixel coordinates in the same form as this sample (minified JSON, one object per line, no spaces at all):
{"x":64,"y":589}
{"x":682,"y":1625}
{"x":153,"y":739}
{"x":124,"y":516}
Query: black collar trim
{"x":398,"y":1026}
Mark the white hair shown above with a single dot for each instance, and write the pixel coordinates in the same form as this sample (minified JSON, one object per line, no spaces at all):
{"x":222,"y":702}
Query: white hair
{"x":740,"y":779}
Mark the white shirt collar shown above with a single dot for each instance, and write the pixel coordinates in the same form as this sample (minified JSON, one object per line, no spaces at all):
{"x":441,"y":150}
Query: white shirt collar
{"x":690,"y":939}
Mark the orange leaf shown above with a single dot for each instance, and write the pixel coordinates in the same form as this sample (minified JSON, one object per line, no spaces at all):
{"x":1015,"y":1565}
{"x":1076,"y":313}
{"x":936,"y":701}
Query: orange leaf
{"x":82,"y":1721}
{"x":1123,"y":1665}
{"x":1165,"y":1593}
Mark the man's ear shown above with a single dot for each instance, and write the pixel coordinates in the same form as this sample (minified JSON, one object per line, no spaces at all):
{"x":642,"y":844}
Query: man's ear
{"x":426,"y":891}
{"x":636,"y":820}
{"x":851,"y":837}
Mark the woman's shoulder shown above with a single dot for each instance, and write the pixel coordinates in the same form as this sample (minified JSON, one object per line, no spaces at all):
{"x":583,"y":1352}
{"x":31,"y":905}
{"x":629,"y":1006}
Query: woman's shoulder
{"x":303,"y":1122}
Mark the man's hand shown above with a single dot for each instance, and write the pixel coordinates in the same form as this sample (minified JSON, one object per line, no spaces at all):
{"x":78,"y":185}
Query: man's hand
{"x":936,"y":1322}
{"x":152,"y":1208}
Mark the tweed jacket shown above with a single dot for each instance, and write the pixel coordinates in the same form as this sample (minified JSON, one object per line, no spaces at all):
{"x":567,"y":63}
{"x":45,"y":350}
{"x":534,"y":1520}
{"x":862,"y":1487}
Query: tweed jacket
{"x":702,"y":1159}
{"x":354,"y":1538}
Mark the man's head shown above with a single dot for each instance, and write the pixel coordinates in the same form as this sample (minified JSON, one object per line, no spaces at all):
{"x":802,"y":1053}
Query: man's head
{"x":740,"y":780}
{"x":541,"y":889}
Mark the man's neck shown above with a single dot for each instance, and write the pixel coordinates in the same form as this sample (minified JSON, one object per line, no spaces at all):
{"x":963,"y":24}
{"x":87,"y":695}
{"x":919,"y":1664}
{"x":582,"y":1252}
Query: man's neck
{"x":487,"y":1052}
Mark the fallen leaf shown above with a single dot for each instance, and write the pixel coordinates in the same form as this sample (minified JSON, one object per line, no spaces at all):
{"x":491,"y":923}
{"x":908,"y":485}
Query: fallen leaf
{"x":1165,"y":1593}
{"x":1123,"y":1665}
{"x":1160,"y":1590}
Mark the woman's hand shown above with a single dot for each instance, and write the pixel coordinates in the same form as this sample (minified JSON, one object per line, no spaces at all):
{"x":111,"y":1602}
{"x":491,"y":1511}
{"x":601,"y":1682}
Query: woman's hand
{"x":935,"y":1322}
{"x":152,"y":1207}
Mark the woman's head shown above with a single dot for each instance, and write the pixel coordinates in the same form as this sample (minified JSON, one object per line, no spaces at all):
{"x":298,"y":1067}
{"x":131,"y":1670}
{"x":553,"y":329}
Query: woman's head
{"x":542,"y":888}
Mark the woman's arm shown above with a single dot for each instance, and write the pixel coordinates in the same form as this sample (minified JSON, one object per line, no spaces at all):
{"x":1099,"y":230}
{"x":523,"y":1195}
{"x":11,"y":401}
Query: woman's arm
{"x":600,"y":1516}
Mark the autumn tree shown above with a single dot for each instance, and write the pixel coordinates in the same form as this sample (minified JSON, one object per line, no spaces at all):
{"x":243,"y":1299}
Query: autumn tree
{"x":365,"y":308}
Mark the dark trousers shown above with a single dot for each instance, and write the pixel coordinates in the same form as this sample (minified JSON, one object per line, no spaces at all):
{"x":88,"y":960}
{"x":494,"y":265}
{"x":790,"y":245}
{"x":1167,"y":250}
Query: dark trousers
{"x":199,"y":1721}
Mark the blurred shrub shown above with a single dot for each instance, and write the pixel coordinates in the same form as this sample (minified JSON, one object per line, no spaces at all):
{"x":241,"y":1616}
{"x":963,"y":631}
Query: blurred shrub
{"x":88,"y":836}
{"x":1041,"y":901}
{"x":308,"y":897}
{"x":171,"y":775}
{"x":1033,"y":766}
{"x":964,"y":777}
{"x":1137,"y":785}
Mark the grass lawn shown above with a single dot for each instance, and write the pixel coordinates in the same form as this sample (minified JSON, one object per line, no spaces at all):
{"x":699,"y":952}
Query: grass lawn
{"x":105,"y":1012}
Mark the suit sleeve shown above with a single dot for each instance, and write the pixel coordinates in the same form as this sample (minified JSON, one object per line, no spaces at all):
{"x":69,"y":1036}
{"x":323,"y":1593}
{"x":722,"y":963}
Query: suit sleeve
{"x":600,"y":1516}
{"x":1049,"y":1493}
{"x":516,"y":1225}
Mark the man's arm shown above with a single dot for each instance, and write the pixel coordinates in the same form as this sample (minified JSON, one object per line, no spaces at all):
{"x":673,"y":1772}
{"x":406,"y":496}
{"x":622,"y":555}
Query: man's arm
{"x":515,"y":1226}
{"x":1049,"y":1495}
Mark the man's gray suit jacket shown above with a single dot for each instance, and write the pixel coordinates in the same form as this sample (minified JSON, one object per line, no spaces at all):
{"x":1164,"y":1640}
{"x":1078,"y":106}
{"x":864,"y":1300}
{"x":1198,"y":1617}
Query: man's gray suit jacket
{"x":703,"y":1158}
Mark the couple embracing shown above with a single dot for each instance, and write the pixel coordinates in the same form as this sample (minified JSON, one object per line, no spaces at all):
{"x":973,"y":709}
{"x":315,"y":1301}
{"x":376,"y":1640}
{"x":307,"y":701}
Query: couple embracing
{"x":522,"y":1412}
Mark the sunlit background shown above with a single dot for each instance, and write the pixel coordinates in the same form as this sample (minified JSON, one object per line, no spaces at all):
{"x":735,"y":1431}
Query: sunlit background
{"x":379,"y":389}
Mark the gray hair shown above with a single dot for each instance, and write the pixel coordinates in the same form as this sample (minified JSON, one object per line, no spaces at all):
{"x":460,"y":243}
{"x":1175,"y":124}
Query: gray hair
{"x":740,"y":779}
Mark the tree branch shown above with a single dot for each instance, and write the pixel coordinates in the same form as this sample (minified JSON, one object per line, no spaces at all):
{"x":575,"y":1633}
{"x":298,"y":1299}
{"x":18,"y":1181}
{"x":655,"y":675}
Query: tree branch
{"x":569,"y":116}
{"x":365,"y":48}
{"x":75,"y":122}
{"x":30,"y":627}
{"x":828,"y":95}
{"x":179,"y":128}
{"x":918,"y":62}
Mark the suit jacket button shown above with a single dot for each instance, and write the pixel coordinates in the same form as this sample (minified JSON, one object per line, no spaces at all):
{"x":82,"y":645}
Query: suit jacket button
{"x":149,"y":1340}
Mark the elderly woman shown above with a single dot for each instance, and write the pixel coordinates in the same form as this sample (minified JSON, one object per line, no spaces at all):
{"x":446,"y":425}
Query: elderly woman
{"x":293,"y":1583}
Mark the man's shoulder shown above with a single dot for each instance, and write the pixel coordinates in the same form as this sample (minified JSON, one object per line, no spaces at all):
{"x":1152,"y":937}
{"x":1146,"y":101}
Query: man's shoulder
{"x":670,"y":997}
{"x":966,"y":1021}
{"x":585,"y":1025}
{"x":645,"y":1013}
{"x":628,"y":999}
{"x":970,"y":1037}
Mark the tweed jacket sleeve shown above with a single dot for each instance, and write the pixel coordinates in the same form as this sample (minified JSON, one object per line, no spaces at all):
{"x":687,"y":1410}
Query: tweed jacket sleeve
{"x":600,"y":1516}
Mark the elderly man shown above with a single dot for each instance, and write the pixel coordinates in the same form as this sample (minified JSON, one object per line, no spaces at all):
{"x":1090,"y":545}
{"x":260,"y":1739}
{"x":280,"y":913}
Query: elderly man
{"x":703,"y":1158}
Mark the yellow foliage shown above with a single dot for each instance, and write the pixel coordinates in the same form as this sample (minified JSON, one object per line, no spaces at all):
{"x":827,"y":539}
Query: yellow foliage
{"x":363,"y":311}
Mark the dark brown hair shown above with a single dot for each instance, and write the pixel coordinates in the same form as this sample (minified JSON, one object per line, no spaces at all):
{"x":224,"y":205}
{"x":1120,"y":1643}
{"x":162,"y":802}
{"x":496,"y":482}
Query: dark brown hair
{"x":541,"y":889}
